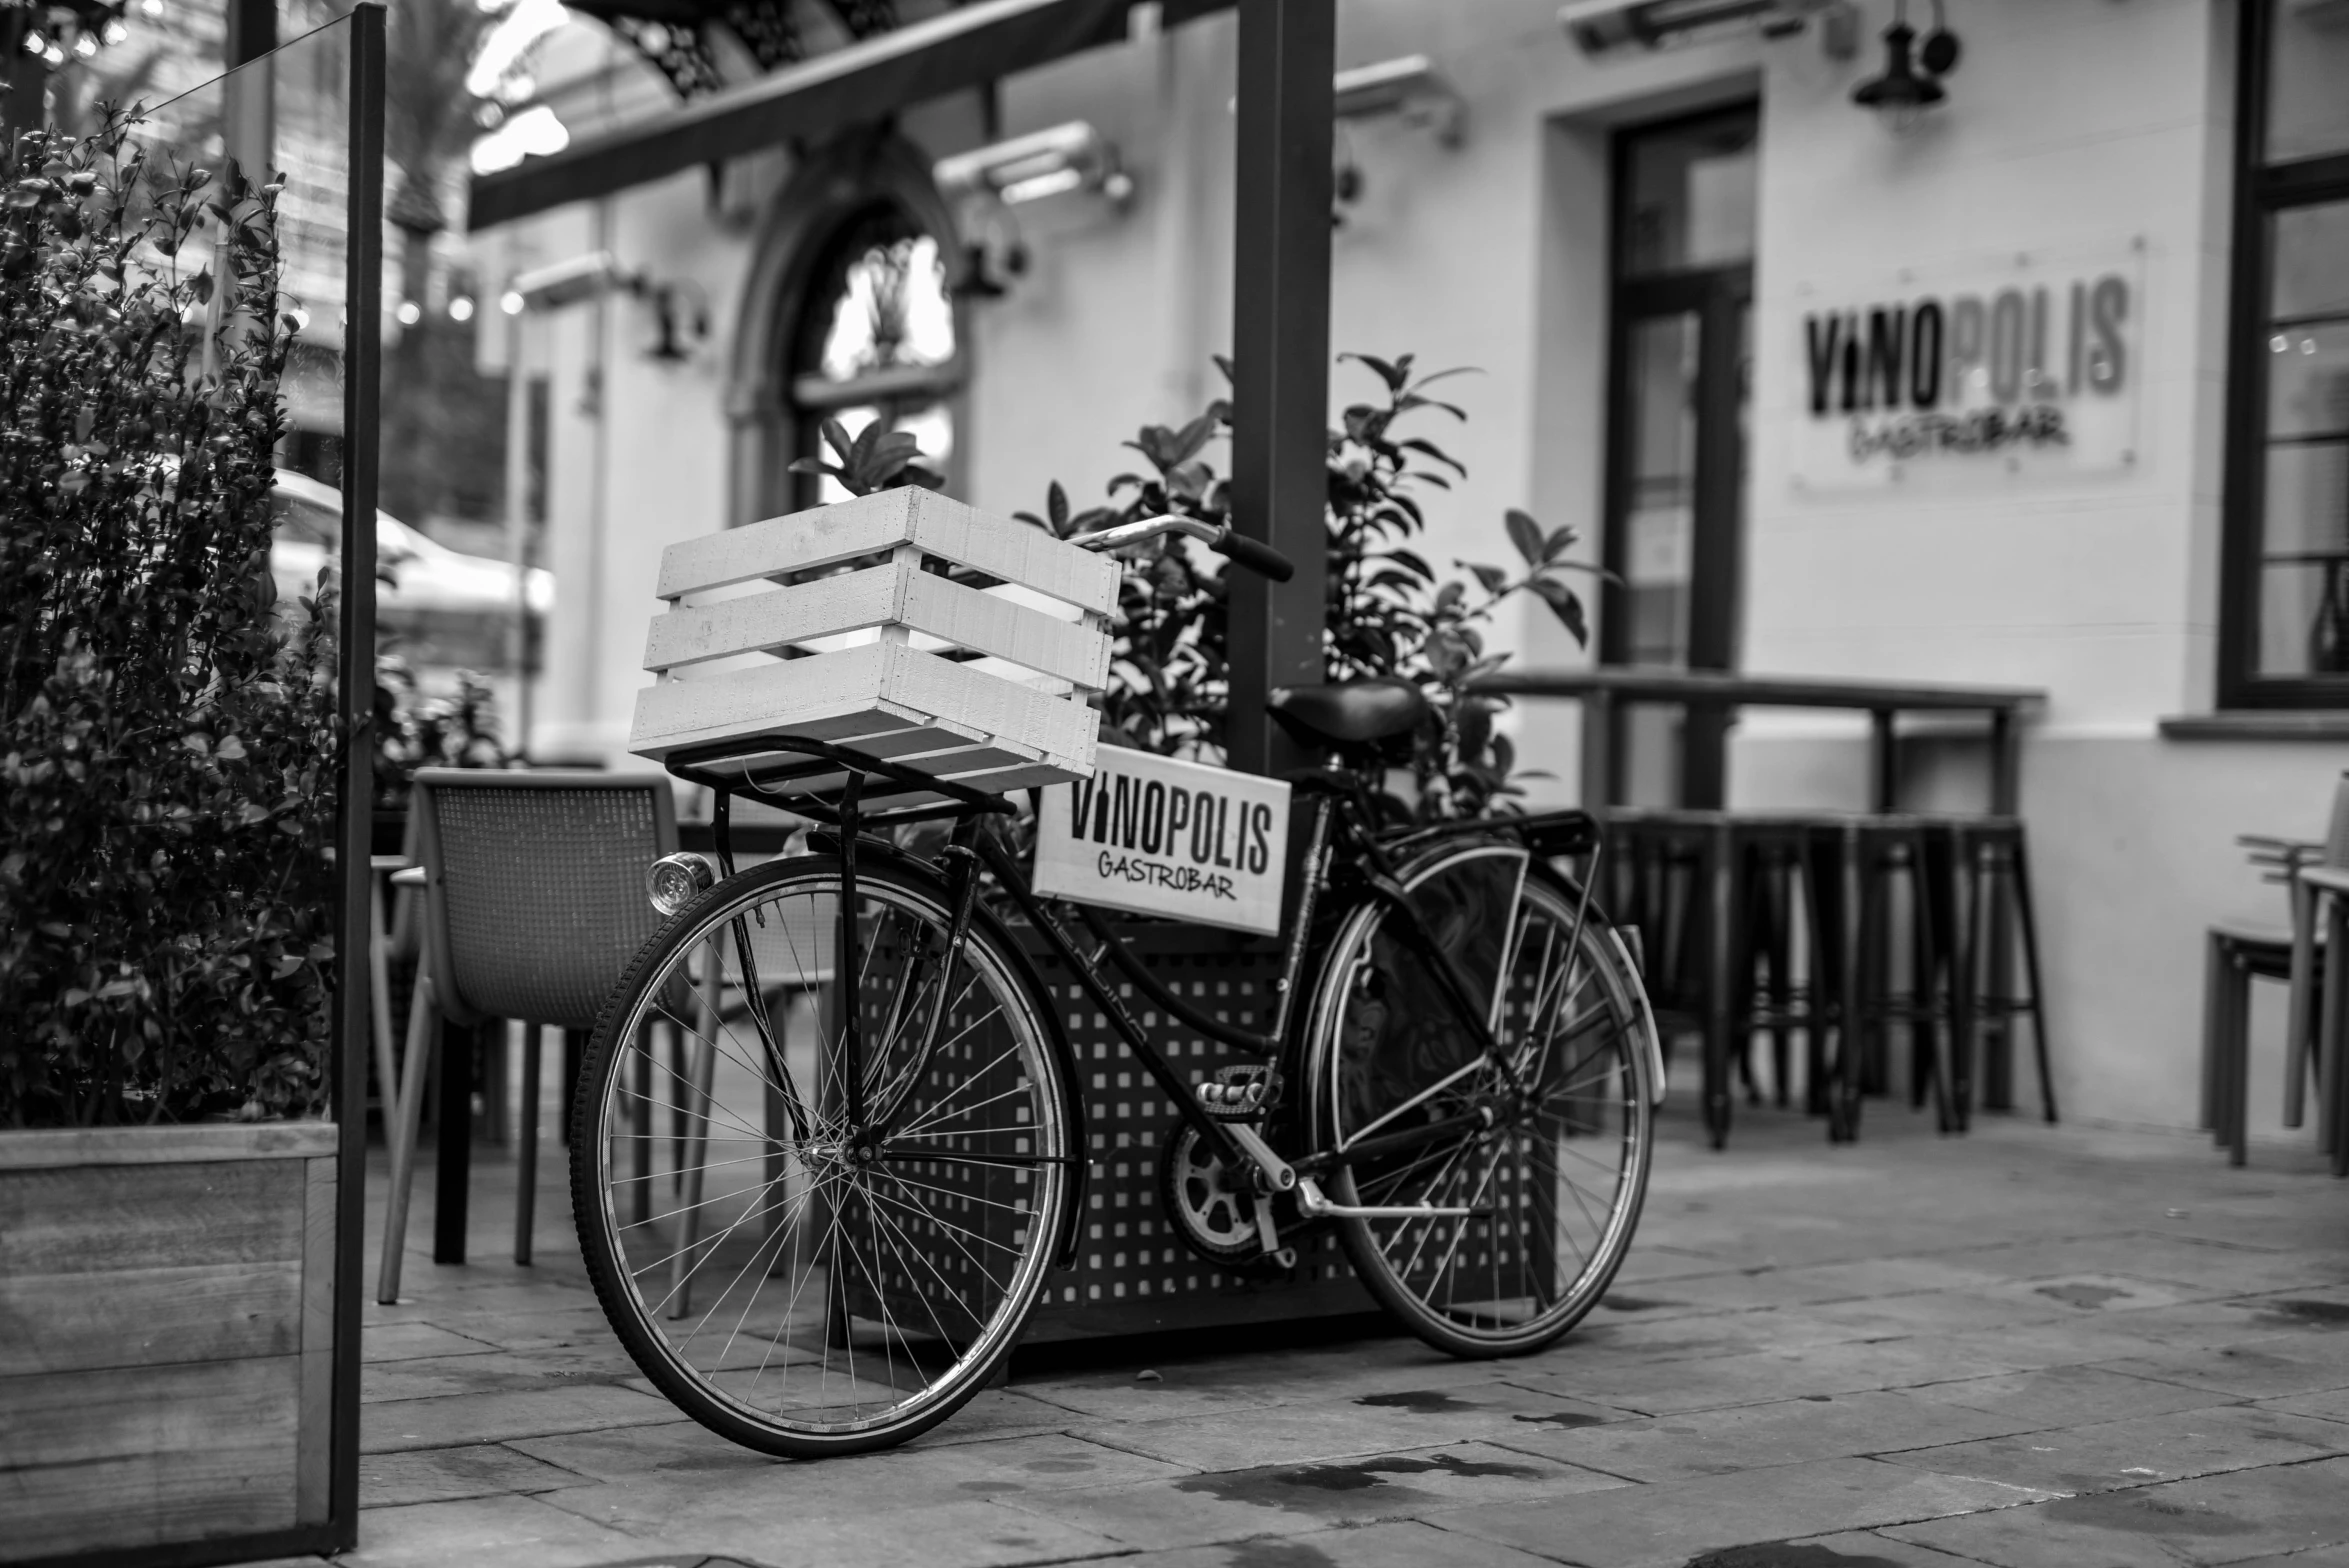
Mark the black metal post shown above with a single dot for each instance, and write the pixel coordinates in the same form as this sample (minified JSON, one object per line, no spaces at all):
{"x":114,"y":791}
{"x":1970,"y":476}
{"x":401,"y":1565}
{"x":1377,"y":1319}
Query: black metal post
{"x":1280,"y":359}
{"x":362,"y":297}
{"x":252,"y":31}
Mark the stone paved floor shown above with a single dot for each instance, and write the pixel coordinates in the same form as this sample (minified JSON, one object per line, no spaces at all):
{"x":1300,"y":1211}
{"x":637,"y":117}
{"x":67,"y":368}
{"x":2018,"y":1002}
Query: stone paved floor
{"x":2032,"y":1346}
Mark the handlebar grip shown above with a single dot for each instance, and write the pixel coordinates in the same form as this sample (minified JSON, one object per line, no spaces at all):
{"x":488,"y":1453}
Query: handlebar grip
{"x":1262,"y":559}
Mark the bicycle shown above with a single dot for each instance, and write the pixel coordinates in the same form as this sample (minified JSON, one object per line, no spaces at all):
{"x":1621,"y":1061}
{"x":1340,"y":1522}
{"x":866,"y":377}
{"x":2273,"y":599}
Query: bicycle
{"x":832,"y":1245}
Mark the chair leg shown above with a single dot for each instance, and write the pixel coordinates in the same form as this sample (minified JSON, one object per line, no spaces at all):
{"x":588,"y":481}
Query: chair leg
{"x":2301,"y":1051}
{"x":526,"y":1146}
{"x":400,"y":1137}
{"x":453,"y":1171}
{"x":2215,"y":968}
{"x":2235,"y":1131}
{"x":1744,"y":957}
{"x":2334,"y":1011}
{"x":1929,"y":955}
{"x":1924,"y":1029}
{"x":1720,"y":944}
{"x":2028,"y":921}
{"x":1823,"y":882}
{"x":1778,"y":891}
{"x":387,"y":1076}
{"x":1843,"y":1091}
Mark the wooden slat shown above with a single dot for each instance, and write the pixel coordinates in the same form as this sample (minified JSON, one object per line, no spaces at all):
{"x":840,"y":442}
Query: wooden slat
{"x":89,"y":1320}
{"x":897,"y":594}
{"x":97,"y":1219}
{"x":856,"y":689}
{"x":165,"y":1145}
{"x":772,"y":621}
{"x":314,"y":1438}
{"x":318,"y":1230}
{"x":135,"y":1457}
{"x":868,"y":525}
{"x":1070,"y":651}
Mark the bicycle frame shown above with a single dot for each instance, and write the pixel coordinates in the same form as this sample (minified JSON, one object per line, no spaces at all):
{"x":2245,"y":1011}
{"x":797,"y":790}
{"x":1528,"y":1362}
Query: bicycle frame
{"x":1337,"y":803}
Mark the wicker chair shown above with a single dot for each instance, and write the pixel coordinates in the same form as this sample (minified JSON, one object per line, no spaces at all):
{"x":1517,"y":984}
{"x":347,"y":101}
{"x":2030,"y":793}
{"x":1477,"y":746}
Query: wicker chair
{"x":533,"y":905}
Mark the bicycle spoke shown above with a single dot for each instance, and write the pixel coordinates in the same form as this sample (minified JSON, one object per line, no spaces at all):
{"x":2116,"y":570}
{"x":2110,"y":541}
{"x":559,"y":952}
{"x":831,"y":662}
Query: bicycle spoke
{"x":1554,"y":1179}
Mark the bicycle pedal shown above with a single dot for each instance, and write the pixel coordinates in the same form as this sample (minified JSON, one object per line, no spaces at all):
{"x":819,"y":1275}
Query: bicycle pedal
{"x":1240,"y":1094}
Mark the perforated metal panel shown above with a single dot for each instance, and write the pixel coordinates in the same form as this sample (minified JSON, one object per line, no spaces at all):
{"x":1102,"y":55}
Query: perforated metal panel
{"x":1133,"y":1273}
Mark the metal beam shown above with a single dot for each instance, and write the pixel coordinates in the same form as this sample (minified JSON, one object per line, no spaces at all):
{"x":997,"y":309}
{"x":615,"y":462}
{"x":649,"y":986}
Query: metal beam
{"x":1280,"y":360}
{"x":861,"y":84}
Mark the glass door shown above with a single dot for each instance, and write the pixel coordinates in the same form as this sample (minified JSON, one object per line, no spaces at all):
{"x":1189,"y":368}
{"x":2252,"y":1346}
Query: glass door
{"x":1677,"y":436}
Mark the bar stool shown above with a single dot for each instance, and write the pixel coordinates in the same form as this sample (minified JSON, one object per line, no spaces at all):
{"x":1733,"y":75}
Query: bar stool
{"x":1713,"y":895}
{"x":1860,"y":864}
{"x":1995,"y":871}
{"x":1778,"y":988}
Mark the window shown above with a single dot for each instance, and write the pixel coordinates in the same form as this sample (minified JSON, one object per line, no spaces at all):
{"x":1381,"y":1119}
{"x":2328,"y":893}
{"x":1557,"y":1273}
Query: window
{"x":1675,"y":519}
{"x":2284,"y":628}
{"x":875,"y":340}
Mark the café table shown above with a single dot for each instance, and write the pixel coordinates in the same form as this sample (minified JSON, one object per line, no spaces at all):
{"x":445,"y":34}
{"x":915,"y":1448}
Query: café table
{"x":1603,"y":691}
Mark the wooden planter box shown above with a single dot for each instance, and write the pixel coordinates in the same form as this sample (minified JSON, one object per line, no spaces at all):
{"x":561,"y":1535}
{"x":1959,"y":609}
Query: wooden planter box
{"x":166,"y":1338}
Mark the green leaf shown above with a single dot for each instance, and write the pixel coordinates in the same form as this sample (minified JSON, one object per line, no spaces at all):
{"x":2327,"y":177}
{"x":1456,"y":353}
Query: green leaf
{"x":1495,"y":581}
{"x":1563,"y":601}
{"x":1385,"y":370}
{"x":1526,"y":535}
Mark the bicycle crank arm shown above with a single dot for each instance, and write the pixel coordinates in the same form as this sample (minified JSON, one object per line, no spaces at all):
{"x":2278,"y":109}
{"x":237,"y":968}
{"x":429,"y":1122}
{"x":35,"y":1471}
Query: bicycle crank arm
{"x":1315,"y":1204}
{"x":1276,"y":1170}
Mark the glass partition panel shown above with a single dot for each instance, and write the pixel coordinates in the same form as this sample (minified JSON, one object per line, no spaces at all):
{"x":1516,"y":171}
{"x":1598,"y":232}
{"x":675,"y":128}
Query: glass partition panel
{"x":173,"y":601}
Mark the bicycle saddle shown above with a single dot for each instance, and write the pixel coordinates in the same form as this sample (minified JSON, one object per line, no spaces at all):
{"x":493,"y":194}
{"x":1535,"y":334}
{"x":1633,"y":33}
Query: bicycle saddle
{"x":1348,"y":713}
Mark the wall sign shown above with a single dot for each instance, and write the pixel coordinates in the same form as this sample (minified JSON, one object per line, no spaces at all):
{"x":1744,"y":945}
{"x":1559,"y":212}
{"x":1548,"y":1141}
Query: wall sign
{"x":1152,"y":836}
{"x":2031,"y":367}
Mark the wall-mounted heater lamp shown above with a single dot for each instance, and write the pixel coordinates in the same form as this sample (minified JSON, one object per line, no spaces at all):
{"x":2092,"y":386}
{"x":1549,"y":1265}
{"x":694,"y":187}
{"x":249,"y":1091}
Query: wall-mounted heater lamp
{"x":1407,"y":87}
{"x":1909,"y":86}
{"x":1069,"y":157}
{"x":986,"y":183}
{"x":681,"y":310}
{"x":1604,"y":28}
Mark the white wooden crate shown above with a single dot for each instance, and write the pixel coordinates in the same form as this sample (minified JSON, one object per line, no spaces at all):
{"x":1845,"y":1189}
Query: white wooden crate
{"x":889,"y":660}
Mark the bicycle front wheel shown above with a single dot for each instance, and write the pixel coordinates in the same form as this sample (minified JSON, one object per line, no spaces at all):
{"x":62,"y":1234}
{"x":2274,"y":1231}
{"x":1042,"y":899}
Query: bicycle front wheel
{"x":1536,"y":1188}
{"x":805,"y":1269}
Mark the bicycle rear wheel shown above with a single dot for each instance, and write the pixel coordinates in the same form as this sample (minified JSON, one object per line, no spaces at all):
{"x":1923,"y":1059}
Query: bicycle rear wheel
{"x":801,"y":1280}
{"x":1553,"y":1187}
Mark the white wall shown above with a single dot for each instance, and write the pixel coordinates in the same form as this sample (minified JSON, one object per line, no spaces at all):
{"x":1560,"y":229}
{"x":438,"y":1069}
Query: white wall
{"x":2075,"y":127}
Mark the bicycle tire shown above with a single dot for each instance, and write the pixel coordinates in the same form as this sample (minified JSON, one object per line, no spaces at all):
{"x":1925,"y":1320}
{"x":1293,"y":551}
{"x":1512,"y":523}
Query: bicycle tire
{"x":959,"y":1208}
{"x":1379,"y":1038}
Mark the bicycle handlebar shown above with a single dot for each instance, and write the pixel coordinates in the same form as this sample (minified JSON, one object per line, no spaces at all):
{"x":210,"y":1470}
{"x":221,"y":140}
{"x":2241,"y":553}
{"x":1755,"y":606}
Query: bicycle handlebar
{"x":1233,"y":546}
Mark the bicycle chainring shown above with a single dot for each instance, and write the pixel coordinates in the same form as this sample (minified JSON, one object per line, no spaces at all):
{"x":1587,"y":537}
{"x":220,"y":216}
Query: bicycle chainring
{"x":1213,"y":1206}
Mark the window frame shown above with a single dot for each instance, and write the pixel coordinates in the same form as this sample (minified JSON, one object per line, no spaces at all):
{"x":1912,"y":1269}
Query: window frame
{"x":810,"y":398}
{"x":2263,"y":191}
{"x":1717,"y":296}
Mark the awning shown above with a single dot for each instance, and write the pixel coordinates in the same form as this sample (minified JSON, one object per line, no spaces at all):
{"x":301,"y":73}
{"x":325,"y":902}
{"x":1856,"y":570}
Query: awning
{"x":863,"y":82}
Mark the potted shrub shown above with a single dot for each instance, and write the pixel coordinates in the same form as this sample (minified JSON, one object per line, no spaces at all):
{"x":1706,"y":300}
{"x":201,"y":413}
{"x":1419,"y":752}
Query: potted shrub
{"x":167,"y":798}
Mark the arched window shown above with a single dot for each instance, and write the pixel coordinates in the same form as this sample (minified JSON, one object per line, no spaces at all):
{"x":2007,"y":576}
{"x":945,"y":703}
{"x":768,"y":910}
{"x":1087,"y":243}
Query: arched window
{"x":875,"y":339}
